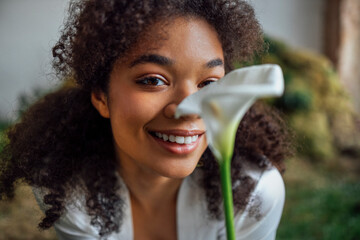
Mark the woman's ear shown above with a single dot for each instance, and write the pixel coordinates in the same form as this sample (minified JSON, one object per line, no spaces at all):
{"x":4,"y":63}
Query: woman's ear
{"x":100,"y":102}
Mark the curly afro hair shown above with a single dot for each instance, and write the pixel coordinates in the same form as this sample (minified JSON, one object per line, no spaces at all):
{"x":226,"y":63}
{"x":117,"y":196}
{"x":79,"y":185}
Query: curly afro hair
{"x":99,"y":32}
{"x":63,"y":145}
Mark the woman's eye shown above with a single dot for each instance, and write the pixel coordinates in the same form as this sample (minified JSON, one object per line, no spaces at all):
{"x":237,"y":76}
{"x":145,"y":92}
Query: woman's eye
{"x":151,"y":81}
{"x":205,"y":83}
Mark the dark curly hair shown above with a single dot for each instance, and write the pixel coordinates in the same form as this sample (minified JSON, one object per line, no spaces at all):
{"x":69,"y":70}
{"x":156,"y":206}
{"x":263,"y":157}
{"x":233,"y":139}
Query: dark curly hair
{"x":63,"y":145}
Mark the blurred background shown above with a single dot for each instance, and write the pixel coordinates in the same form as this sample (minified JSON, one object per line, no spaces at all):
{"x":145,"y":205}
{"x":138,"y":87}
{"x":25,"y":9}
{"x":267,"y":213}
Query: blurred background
{"x":317,"y":44}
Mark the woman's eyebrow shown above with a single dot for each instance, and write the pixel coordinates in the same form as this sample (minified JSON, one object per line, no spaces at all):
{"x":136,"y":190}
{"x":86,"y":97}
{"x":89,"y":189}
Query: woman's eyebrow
{"x":152,"y":58}
{"x":214,"y":63}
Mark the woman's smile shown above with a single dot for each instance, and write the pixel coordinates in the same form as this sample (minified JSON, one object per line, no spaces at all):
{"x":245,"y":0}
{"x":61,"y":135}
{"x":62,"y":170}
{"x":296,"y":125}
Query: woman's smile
{"x":178,"y":141}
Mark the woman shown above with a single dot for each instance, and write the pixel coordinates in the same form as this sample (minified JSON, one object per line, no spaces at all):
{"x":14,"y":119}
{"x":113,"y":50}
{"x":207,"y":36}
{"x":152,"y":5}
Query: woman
{"x":108,"y":159}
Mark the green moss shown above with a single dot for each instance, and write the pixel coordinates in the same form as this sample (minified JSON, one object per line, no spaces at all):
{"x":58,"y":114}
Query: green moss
{"x":4,"y":124}
{"x":332,"y":212}
{"x":295,"y":100}
{"x":314,"y":137}
{"x":314,"y":100}
{"x":3,"y":140}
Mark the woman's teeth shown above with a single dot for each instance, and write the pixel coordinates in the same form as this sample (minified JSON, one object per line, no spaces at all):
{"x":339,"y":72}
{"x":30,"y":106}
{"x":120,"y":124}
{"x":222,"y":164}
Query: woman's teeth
{"x":177,"y":139}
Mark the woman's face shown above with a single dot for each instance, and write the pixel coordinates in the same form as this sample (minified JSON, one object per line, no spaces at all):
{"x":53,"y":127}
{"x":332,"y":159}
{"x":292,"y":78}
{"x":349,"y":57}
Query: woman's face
{"x":146,"y":87}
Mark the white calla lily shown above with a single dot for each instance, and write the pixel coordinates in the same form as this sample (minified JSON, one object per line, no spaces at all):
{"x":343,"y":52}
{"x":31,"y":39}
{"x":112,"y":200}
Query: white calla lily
{"x":222,"y":106}
{"x":223,"y":103}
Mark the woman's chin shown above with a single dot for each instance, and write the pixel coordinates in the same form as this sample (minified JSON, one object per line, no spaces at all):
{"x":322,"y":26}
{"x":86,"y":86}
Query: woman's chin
{"x":178,"y":172}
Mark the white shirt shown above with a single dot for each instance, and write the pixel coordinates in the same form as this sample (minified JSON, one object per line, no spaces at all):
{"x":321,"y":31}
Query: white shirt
{"x":193,"y":222}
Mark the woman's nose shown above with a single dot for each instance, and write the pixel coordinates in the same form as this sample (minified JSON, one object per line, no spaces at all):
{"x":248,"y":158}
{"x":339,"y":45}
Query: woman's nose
{"x":181,"y":91}
{"x":170,"y":109}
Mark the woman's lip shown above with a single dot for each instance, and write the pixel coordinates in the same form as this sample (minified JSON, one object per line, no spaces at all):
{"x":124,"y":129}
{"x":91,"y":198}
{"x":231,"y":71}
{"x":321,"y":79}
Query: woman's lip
{"x":177,"y":148}
{"x":180,"y":132}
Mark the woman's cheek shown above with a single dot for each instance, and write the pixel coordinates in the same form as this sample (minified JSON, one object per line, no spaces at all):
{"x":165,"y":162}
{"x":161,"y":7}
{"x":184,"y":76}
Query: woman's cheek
{"x":136,"y":107}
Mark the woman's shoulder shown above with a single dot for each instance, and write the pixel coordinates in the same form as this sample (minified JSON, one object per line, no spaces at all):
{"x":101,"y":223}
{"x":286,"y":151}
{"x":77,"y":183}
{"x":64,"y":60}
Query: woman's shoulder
{"x":258,"y":220}
{"x":262,"y":215}
{"x":74,"y":223}
{"x":270,"y":186}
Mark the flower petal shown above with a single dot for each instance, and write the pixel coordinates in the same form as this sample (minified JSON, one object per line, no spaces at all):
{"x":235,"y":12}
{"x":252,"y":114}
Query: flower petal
{"x":223,"y":103}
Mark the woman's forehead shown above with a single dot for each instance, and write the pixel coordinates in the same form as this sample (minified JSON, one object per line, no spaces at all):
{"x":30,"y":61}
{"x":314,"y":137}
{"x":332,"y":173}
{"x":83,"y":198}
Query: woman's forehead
{"x":177,"y":37}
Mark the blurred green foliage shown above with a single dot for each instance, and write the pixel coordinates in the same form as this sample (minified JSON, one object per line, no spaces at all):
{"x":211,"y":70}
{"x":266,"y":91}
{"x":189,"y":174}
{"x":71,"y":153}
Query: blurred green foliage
{"x":3,"y":126}
{"x":2,"y":140}
{"x":318,"y":109}
{"x":315,"y":103}
{"x":331,"y":213}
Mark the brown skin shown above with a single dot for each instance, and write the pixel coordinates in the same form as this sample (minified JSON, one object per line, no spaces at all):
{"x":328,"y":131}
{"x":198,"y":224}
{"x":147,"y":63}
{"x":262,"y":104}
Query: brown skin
{"x":152,"y":173}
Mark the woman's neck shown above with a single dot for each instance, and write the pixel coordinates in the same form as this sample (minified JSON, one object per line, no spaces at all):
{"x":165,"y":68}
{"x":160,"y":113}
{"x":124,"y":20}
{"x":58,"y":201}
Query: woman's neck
{"x":153,"y":203}
{"x":149,"y":190}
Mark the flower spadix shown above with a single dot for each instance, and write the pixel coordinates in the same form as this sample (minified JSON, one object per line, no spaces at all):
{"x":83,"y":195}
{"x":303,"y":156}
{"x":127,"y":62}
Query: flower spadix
{"x":222,"y":104}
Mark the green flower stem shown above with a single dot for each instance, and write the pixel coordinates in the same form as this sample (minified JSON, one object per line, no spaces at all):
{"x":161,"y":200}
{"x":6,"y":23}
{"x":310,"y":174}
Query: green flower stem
{"x":225,"y":175}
